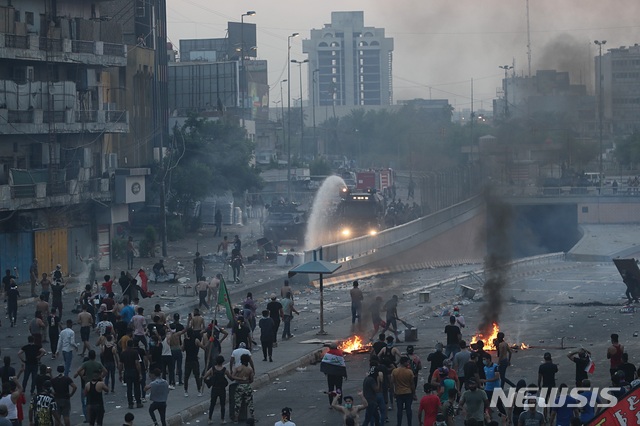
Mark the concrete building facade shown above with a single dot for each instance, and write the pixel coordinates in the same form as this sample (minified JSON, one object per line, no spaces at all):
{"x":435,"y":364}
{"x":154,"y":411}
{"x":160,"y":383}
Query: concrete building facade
{"x":353,"y":63}
{"x":620,"y":89}
{"x":59,"y":120}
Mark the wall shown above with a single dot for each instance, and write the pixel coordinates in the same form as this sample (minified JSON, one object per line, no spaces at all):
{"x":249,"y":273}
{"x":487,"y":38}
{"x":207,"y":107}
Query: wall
{"x":615,"y":211}
{"x":51,"y":249}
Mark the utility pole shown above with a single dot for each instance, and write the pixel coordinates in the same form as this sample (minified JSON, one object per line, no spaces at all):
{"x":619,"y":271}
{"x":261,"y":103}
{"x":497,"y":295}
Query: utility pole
{"x":289,"y":114}
{"x":600,"y":43}
{"x":313,"y":106}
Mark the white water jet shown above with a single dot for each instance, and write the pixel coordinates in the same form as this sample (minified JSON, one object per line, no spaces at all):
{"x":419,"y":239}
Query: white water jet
{"x":319,"y":232}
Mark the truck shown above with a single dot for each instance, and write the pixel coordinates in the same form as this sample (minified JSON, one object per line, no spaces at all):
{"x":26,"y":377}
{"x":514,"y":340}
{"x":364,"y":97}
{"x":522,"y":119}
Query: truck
{"x":359,"y":213}
{"x":382,"y":180}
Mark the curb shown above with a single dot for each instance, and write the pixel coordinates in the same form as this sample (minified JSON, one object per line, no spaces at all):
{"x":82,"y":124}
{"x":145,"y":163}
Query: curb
{"x":264,"y":379}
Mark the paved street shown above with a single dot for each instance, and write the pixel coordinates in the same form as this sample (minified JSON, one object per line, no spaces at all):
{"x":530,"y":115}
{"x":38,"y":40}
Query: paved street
{"x":563,"y":304}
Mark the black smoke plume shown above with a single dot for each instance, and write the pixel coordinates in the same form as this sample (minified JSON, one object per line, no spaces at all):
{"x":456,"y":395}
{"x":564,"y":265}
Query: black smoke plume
{"x":497,"y":261}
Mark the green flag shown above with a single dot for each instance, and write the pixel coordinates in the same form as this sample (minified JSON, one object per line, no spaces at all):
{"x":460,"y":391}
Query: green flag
{"x":224,"y":299}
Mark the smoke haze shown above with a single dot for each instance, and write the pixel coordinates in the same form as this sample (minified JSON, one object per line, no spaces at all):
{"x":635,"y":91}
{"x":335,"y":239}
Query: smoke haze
{"x":499,"y":218}
{"x":439,"y":43}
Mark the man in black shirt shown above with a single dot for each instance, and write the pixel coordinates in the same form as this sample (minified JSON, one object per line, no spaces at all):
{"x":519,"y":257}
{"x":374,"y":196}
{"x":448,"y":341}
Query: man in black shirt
{"x":130,"y":371}
{"x":276,"y":313}
{"x":379,"y":344}
{"x":547,"y":373}
{"x":12,"y":302}
{"x":6,"y":282}
{"x":60,"y":385}
{"x":436,"y":358}
{"x":30,"y":355}
{"x":627,"y":368}
{"x":192,"y":347}
{"x":56,"y":294}
{"x":241,"y":333}
{"x":453,"y":337}
{"x":471,"y":369}
{"x":581,"y":361}
{"x":198,"y":267}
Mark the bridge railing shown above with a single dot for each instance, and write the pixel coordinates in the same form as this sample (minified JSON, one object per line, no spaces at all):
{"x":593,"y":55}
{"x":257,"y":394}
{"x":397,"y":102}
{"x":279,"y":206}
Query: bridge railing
{"x":390,"y":240}
{"x":567,"y":191}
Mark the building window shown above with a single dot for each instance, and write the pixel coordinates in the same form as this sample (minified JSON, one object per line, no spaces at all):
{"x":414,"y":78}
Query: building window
{"x":140,"y":9}
{"x":28,"y":18}
{"x":16,"y":16}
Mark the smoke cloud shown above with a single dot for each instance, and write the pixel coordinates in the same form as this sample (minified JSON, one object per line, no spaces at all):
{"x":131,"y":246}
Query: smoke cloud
{"x":567,"y":53}
{"x":499,"y":219}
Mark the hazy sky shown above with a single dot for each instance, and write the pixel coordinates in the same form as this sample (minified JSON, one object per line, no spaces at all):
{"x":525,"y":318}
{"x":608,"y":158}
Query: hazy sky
{"x":438,"y":44}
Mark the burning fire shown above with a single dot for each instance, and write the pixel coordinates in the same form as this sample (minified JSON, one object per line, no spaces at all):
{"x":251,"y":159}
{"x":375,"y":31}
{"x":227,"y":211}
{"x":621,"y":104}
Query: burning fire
{"x":354,"y":344}
{"x":489,"y":340}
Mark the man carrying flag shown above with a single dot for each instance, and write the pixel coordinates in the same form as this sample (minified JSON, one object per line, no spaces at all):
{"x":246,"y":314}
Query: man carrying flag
{"x":224,"y":299}
{"x":584,"y":364}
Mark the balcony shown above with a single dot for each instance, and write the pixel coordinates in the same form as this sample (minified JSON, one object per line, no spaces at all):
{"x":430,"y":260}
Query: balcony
{"x":69,"y":121}
{"x":39,"y":188}
{"x":61,"y":50}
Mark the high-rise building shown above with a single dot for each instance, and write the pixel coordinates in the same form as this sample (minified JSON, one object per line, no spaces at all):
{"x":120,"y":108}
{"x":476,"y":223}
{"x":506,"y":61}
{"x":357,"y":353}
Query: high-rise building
{"x":620,"y":89}
{"x":353,"y":63}
{"x":62,"y":188}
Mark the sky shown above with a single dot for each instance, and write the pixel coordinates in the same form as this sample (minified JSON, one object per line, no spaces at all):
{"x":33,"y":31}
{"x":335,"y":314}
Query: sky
{"x":439,"y":45}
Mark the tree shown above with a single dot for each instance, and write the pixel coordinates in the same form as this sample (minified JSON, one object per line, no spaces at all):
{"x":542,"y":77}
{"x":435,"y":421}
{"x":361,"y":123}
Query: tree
{"x":628,"y":150}
{"x":209,"y":157}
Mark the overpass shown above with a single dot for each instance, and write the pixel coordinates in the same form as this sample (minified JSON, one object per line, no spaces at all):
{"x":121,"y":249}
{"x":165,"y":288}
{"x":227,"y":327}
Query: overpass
{"x":544,"y":220}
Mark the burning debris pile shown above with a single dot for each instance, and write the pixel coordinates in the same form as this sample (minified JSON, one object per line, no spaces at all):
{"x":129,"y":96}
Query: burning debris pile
{"x":355,"y":345}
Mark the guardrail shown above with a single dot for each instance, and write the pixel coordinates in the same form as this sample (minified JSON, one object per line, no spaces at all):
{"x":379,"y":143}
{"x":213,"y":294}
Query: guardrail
{"x":400,"y":235}
{"x":567,"y":191}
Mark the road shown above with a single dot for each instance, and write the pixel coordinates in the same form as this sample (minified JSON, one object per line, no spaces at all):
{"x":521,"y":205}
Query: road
{"x":550,"y":306}
{"x":577,"y":306}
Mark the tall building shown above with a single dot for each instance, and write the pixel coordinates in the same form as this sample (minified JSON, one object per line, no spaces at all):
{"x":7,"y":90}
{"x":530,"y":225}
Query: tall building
{"x":354,"y":63}
{"x":620,"y":89}
{"x":62,"y":192}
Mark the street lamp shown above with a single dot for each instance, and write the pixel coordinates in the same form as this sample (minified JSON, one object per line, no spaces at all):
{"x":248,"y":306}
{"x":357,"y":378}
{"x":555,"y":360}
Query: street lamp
{"x":313,"y":104}
{"x":244,"y":74}
{"x":506,"y":84}
{"x":600,"y":43}
{"x":301,"y":110}
{"x":282,"y":108}
{"x":289,"y":114}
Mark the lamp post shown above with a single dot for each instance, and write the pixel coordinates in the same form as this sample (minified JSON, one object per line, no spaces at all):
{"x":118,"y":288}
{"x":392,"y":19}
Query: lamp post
{"x":289,"y":114}
{"x":600,"y":43}
{"x":506,"y":84}
{"x":244,"y":73}
{"x":313,"y":105}
{"x":282,"y":109}
{"x":301,"y":110}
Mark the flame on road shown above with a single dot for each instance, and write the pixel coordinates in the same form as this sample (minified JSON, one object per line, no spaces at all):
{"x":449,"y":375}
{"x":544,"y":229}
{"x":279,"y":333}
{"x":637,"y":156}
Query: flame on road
{"x":490,"y":339}
{"x":354,"y":344}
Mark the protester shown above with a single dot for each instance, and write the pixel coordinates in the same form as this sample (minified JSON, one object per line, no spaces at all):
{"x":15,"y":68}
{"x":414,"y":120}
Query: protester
{"x":404,"y":390}
{"x":158,"y":390}
{"x":356,"y":302}
{"x":348,"y":410}
{"x":63,"y":390}
{"x":429,"y":405}
{"x":243,"y":376}
{"x":266,"y":335}
{"x":218,"y":383}
{"x":93,"y":391}
{"x":288,"y":309}
{"x":335,"y":369}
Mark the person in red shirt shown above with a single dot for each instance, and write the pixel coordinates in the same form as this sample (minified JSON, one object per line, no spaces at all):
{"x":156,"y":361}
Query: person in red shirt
{"x":107,"y":284}
{"x":429,"y":405}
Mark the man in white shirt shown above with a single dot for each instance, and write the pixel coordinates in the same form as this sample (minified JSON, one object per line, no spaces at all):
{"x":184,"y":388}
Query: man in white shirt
{"x":237,"y":353}
{"x":139,"y":323}
{"x":66,"y":344}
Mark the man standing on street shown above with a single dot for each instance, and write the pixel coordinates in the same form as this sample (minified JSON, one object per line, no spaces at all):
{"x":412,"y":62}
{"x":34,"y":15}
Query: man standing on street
{"x":614,"y":354}
{"x":476,"y":402}
{"x":454,"y":335}
{"x":459,"y":361}
{"x":547,"y":373}
{"x":130,"y":371}
{"x":66,"y":345}
{"x":30,"y":355}
{"x":276,"y":313}
{"x":159,"y":392}
{"x":266,"y":335}
{"x":356,"y":303}
{"x":202,"y":290}
{"x":404,"y":390}
{"x":61,"y":385}
{"x":391,"y":306}
{"x":504,"y":359}
{"x":217,"y":220}
{"x":288,"y":310}
{"x":198,"y":267}
{"x":131,"y":251}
